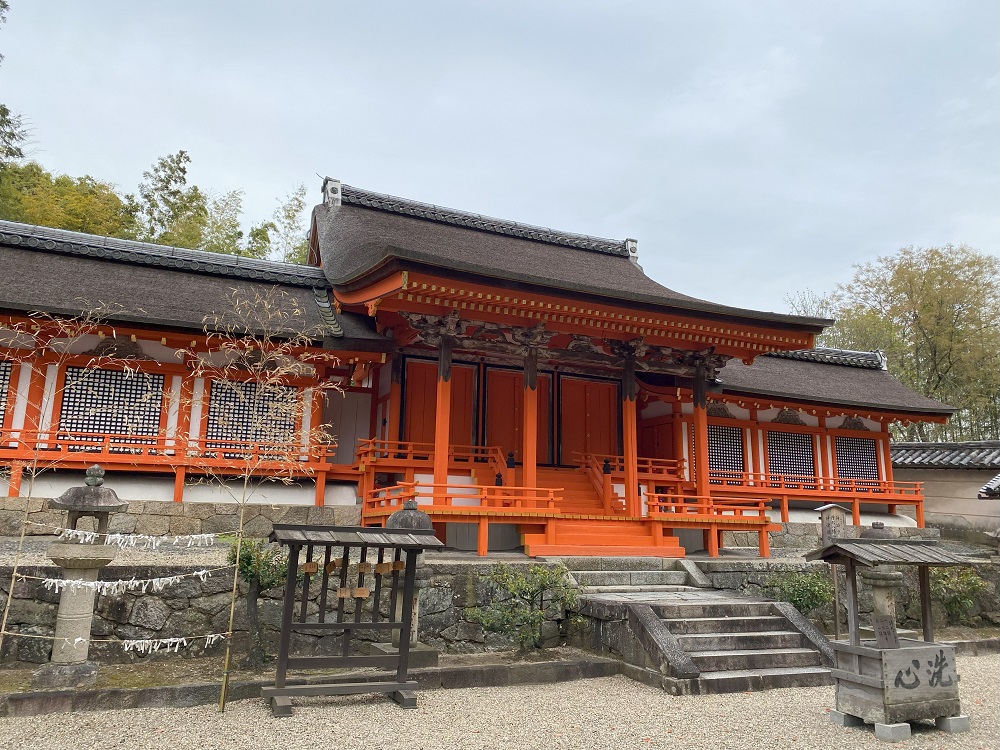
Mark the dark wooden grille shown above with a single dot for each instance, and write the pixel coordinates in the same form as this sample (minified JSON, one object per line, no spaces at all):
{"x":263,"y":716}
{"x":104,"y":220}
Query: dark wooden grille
{"x":790,"y":453}
{"x":725,"y":452}
{"x":5,"y":369}
{"x":251,"y":412}
{"x":111,"y":402}
{"x":857,"y":458}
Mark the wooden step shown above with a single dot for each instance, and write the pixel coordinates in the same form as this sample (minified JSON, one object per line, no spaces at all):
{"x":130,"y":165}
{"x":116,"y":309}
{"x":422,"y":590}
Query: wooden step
{"x":566,"y":550}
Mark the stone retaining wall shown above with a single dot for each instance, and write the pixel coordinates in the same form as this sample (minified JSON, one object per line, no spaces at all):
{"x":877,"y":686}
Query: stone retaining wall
{"x":157,"y":518}
{"x":752,"y":577}
{"x":196,"y":608}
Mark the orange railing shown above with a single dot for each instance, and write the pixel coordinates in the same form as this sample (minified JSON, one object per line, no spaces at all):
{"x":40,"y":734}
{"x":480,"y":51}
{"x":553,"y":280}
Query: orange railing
{"x":783,"y":487}
{"x":467,"y":497}
{"x":390,"y":455}
{"x":151,"y":452}
{"x":675,"y":504}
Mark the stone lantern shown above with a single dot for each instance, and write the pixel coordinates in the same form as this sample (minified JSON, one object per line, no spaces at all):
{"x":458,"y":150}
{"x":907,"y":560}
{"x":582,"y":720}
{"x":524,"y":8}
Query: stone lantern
{"x":410,"y":517}
{"x":80,"y":561}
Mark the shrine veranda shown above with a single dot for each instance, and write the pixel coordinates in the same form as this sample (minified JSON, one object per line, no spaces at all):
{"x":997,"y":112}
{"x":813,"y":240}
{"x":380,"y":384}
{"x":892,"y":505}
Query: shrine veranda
{"x":530,"y":388}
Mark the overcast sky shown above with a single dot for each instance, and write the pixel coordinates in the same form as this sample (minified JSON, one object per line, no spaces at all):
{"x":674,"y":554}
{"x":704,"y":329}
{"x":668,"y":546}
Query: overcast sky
{"x":753,"y":148}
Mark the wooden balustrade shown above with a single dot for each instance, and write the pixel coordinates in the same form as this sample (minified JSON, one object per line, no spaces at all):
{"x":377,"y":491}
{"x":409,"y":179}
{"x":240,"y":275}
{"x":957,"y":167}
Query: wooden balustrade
{"x":467,"y":503}
{"x":783,"y":487}
{"x":53,"y":448}
{"x":713,"y":515}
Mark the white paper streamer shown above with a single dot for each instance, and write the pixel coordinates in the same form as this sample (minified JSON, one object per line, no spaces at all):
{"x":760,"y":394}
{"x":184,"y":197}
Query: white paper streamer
{"x":113,"y":588}
{"x":150,"y":645}
{"x":128,"y":541}
{"x":84,"y":537}
{"x":146,"y":646}
{"x":146,"y":541}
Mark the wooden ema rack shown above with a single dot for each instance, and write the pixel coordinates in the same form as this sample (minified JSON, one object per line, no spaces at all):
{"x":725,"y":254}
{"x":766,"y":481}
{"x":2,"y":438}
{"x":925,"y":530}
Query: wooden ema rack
{"x":368,"y":566}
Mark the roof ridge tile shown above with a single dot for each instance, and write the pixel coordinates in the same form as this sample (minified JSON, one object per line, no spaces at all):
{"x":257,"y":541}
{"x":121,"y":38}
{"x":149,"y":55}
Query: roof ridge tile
{"x":830,"y":356}
{"x":430,"y":212}
{"x":146,"y":253}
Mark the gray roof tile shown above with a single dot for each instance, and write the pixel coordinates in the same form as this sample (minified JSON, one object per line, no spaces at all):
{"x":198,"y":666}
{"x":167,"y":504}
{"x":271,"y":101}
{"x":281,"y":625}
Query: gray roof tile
{"x":392,"y":204}
{"x":978,"y":454}
{"x":34,"y":237}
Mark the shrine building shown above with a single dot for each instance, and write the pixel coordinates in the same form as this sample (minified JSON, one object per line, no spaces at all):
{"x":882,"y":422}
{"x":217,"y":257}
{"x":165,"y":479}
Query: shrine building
{"x":528,"y":387}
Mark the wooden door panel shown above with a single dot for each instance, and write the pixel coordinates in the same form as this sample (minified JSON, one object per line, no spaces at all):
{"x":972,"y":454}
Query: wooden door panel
{"x":421,"y":403}
{"x":589,"y":417}
{"x":505,"y":412}
{"x":656,"y":440}
{"x":602,"y":418}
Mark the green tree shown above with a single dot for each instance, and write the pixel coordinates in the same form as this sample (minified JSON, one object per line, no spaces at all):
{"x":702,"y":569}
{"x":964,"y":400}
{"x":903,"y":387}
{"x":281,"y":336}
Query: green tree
{"x":935,"y":312}
{"x":13,"y":134}
{"x":262,"y":566}
{"x":289,"y":241}
{"x":30,"y":194}
{"x":168,"y":211}
{"x":222,"y":233}
{"x":519,"y":599}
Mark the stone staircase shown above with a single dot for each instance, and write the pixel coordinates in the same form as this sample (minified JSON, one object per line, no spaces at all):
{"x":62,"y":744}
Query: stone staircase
{"x":738,"y":646}
{"x":694,"y":640}
{"x":602,"y":575}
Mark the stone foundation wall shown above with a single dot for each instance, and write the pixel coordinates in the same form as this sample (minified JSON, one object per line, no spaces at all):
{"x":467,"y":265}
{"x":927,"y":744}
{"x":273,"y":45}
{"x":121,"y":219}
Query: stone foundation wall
{"x":196,"y":608}
{"x":752,"y":577}
{"x":158,"y":518}
{"x":805,"y":536}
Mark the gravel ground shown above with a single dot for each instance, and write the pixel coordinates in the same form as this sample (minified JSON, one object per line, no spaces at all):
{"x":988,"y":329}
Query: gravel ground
{"x":606,"y":713}
{"x":33,"y":553}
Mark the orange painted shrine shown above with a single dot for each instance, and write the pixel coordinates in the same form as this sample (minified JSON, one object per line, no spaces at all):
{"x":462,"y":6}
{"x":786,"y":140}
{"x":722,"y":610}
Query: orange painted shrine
{"x":533,"y":382}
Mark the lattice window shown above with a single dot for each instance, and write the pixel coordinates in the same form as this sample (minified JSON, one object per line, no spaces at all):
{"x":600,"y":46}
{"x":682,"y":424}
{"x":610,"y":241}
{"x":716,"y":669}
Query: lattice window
{"x":251,"y":413}
{"x":857,"y":458}
{"x":790,"y":453}
{"x":5,"y":369}
{"x":725,"y":452}
{"x":111,"y":402}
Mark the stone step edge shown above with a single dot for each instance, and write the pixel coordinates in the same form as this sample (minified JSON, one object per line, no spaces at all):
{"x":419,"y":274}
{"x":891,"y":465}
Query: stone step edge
{"x":763,"y":672}
{"x":752,"y":652}
{"x":748,"y":634}
{"x":638,"y":588}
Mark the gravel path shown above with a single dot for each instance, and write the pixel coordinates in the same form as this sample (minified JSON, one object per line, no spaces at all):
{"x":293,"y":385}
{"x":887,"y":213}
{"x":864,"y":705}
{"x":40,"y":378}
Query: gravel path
{"x":33,"y":553}
{"x":606,"y":713}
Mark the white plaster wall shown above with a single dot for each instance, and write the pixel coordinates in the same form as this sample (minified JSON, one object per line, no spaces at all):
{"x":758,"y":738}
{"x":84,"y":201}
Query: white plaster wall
{"x":139,"y":487}
{"x":21,"y":402}
{"x":950,"y":497}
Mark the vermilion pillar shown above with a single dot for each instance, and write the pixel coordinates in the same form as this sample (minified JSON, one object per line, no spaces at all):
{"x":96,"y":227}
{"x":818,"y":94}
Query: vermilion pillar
{"x":442,"y":415}
{"x":700,"y":433}
{"x":395,"y":398}
{"x":529,"y":433}
{"x":630,"y":443}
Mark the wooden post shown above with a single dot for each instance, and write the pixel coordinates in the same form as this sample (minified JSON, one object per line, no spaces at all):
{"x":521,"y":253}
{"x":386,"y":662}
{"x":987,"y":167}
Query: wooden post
{"x":763,"y":543}
{"x":179,"y":474}
{"x":924,"y":576}
{"x":394,"y":404}
{"x":442,"y":415}
{"x":483,"y":537}
{"x":633,"y":506}
{"x":853,"y":626}
{"x":607,"y":491}
{"x":14,"y":483}
{"x":321,"y":488}
{"x":700,"y":433}
{"x":529,"y":433}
